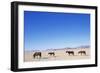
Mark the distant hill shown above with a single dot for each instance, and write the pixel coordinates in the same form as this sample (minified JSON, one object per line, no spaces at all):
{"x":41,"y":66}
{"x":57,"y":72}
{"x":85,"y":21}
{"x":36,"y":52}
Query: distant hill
{"x":86,"y":46}
{"x":54,"y":49}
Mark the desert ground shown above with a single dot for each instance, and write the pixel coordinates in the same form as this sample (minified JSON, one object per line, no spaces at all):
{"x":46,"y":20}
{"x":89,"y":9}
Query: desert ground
{"x":59,"y":54}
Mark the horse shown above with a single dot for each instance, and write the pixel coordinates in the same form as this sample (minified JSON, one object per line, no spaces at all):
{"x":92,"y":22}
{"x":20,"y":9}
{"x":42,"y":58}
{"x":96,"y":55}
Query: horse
{"x":70,"y":52}
{"x":51,"y":53}
{"x":38,"y":54}
{"x":82,"y":52}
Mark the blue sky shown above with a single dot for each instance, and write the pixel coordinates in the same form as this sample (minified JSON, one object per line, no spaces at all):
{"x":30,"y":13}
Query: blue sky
{"x":45,"y":30}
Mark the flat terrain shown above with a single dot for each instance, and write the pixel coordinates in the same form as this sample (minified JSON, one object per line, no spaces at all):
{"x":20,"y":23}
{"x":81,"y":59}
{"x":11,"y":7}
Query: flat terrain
{"x":60,"y":54}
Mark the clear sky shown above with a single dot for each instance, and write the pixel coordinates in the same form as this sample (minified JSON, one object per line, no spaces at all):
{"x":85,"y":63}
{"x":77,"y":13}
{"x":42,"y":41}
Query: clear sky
{"x":45,"y":30}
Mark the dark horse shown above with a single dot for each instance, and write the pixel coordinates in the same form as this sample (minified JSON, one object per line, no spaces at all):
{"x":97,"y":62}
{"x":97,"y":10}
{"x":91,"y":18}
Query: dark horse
{"x":38,"y":54}
{"x":82,"y":52}
{"x":70,"y":52}
{"x":51,"y":53}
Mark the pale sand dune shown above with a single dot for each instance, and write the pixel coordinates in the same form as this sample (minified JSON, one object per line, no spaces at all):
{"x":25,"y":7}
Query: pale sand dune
{"x":59,"y":55}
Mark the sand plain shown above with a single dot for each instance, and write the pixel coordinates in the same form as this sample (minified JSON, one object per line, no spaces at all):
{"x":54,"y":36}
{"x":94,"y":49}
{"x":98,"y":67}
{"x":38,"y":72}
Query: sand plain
{"x":60,"y":54}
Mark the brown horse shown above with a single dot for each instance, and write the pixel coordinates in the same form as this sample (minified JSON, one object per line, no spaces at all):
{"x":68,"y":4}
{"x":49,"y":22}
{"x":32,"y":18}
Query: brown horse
{"x":38,"y":54}
{"x":70,"y":52}
{"x":82,"y":52}
{"x":51,"y":53}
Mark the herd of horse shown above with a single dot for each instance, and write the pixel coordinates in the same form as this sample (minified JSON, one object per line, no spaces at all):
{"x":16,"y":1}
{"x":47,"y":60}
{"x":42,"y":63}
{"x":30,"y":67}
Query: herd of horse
{"x":39,"y":54}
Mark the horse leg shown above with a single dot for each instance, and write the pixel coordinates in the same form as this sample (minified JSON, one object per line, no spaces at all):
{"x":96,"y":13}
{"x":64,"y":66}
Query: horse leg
{"x":73,"y":54}
{"x":34,"y":56}
{"x":53,"y":54}
{"x":69,"y":54}
{"x":85,"y":53}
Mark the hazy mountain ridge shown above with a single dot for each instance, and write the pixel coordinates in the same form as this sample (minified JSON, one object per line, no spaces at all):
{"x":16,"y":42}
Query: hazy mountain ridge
{"x":85,"y":46}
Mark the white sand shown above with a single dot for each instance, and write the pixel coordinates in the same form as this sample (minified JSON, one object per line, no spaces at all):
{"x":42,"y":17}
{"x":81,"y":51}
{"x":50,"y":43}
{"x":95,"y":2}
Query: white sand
{"x":59,"y":55}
